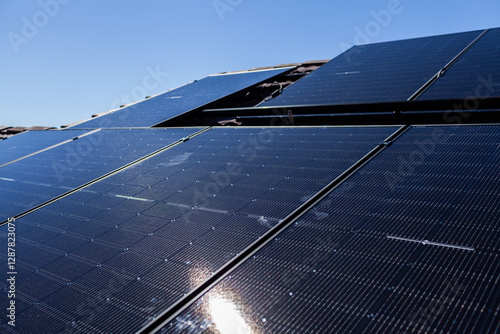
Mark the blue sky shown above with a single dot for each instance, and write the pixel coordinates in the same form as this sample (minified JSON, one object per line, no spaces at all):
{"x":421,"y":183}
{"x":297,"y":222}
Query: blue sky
{"x":64,"y":60}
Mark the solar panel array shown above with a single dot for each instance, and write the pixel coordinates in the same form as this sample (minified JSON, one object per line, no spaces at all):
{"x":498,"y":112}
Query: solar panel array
{"x":369,"y":257}
{"x":180,"y":100}
{"x":363,"y":229}
{"x":381,"y":72}
{"x":30,"y":142}
{"x":34,"y":180}
{"x":475,"y":75}
{"x":156,"y":230}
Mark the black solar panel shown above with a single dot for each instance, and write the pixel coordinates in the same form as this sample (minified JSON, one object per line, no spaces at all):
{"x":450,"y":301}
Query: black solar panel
{"x":447,"y":113}
{"x":410,"y":243}
{"x":180,"y":100}
{"x":32,"y":181}
{"x":31,"y":142}
{"x":391,"y":71}
{"x":126,"y":248}
{"x":475,"y":75}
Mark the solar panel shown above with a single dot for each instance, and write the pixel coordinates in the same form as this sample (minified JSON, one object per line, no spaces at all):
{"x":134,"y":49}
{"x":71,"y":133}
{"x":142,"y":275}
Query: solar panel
{"x":34,"y":180}
{"x":30,"y":142}
{"x":127,"y":247}
{"x":380,"y":72}
{"x":410,"y":243}
{"x":181,"y":100}
{"x":448,"y":112}
{"x":476,"y":74}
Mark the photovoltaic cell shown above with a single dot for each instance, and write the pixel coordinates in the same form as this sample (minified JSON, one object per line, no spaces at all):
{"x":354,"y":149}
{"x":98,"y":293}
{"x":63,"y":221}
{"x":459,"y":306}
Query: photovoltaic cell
{"x":34,"y":180}
{"x":476,"y":74}
{"x":380,"y":72}
{"x":137,"y":241}
{"x":180,"y":100}
{"x":410,"y":243}
{"x":30,"y":142}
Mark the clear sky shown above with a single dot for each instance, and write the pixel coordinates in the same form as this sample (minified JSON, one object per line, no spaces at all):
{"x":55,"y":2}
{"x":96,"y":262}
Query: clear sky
{"x":64,"y":60}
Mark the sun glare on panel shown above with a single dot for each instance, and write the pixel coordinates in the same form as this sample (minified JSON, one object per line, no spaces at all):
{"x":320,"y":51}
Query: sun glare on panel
{"x":226,"y":317}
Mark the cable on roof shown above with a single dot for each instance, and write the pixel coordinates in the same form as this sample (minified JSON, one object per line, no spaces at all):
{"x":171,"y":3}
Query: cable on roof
{"x":275,"y":93}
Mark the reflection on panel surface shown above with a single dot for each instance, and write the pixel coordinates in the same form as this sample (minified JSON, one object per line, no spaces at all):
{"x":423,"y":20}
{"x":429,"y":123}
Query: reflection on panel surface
{"x":410,"y":243}
{"x":29,"y":142}
{"x":391,"y":71}
{"x":113,"y":256}
{"x":34,"y":180}
{"x":180,"y":100}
